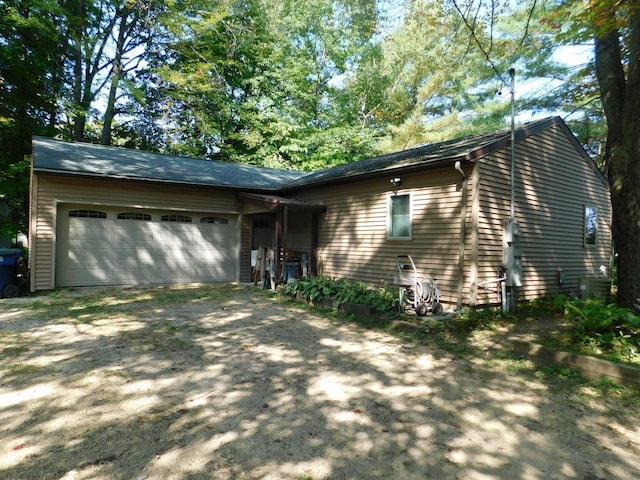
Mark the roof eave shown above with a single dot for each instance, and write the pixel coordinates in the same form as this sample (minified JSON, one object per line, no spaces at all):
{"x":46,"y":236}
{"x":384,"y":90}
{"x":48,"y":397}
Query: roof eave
{"x":124,"y":178}
{"x":380,"y":173}
{"x":274,"y":202}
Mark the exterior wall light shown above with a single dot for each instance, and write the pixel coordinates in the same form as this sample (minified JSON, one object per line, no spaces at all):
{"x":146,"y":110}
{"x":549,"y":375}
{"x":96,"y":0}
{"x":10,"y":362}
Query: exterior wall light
{"x":396,"y":182}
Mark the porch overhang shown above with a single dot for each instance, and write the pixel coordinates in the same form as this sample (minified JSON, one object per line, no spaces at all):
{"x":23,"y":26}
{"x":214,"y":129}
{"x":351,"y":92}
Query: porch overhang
{"x":275,"y":202}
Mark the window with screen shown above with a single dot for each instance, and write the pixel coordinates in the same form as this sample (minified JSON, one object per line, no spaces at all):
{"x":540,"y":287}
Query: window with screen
{"x":590,"y":226}
{"x":399,"y":220}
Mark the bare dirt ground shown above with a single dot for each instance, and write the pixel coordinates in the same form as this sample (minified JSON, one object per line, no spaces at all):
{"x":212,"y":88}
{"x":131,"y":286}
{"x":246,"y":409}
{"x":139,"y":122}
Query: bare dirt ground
{"x":226,"y":382}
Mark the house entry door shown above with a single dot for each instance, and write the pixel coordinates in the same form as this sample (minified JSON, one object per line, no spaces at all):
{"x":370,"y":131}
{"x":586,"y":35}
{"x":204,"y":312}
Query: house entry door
{"x":263,"y":231}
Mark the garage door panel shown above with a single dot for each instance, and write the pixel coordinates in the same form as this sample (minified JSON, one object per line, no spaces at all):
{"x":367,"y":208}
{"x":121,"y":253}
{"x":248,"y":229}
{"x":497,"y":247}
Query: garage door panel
{"x":87,"y":275}
{"x":87,"y":256}
{"x":212,"y":233}
{"x":133,"y":276}
{"x":213,"y":273}
{"x":170,"y":232}
{"x":212,"y":242}
{"x":89,"y":229}
{"x":213,"y":260}
{"x":124,"y":251}
{"x":178,"y":255}
{"x":129,"y":257}
{"x":90,"y":244}
{"x":132,"y":234}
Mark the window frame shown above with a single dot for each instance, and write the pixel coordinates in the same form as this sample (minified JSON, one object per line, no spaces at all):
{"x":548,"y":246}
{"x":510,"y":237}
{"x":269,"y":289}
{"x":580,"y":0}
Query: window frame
{"x":176,"y":218}
{"x":214,"y":220}
{"x":390,"y":216}
{"x":587,"y":224}
{"x":87,"y":213}
{"x":134,"y":216}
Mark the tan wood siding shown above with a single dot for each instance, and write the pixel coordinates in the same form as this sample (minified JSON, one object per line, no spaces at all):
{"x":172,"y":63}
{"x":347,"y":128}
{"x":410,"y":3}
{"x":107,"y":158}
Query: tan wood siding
{"x":53,"y":190}
{"x":245,"y":249}
{"x":298,"y":232}
{"x":553,"y":184}
{"x":353,"y":239}
{"x":493,"y":210}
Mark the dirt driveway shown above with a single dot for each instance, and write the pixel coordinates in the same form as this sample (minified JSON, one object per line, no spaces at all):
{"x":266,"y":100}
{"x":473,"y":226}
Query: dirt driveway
{"x":227,"y":382}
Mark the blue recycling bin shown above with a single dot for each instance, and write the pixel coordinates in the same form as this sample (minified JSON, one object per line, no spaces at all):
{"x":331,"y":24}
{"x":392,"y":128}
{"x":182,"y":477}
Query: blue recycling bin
{"x":9,"y":272}
{"x":291,"y":269}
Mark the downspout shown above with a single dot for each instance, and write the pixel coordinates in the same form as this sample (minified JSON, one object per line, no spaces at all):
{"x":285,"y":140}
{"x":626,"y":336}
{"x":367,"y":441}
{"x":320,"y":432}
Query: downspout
{"x":463,"y":232}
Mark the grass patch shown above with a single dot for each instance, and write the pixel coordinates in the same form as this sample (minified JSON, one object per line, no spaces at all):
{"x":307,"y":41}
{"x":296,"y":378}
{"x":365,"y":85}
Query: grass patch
{"x":92,"y":305}
{"x":25,"y":370}
{"x":14,"y":351}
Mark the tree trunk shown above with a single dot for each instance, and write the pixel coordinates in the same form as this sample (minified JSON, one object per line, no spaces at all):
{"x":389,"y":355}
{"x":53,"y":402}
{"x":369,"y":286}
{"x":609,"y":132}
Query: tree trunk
{"x":79,"y":114}
{"x":621,"y":104}
{"x":116,"y":76}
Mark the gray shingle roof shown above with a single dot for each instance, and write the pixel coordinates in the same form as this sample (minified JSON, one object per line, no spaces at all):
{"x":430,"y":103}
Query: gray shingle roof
{"x":424,"y":156}
{"x":435,"y":155}
{"x":86,"y":159}
{"x":100,"y":161}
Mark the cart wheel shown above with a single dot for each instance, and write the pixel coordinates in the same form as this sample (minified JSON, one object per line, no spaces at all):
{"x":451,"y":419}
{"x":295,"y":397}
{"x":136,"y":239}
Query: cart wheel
{"x":10,"y":291}
{"x":437,"y":308}
{"x":421,"y":310}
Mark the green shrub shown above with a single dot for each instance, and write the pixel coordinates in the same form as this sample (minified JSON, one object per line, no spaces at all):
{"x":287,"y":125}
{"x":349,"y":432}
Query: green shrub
{"x":553,"y":304}
{"x":605,"y":329}
{"x":593,"y":316}
{"x":344,"y":291}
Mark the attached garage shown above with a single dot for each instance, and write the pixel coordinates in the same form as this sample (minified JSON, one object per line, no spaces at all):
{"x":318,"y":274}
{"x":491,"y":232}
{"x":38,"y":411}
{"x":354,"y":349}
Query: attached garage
{"x":120,"y":246}
{"x":111,"y":216}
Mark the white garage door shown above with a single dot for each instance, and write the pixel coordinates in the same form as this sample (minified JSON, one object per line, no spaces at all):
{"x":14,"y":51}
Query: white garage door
{"x":122,"y":247}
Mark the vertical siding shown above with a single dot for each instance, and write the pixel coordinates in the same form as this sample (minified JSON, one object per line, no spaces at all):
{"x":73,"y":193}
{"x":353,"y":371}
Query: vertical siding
{"x":42,"y":236}
{"x":553,"y":185}
{"x":353,"y":239}
{"x":245,"y":249}
{"x":52,"y":190}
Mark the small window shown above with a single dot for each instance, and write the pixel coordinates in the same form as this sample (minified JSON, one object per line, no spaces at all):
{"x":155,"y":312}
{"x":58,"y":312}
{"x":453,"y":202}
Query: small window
{"x":87,"y":214}
{"x":399,"y":217}
{"x":134,"y":216}
{"x":590,"y":226}
{"x":175,"y":218}
{"x":219,"y":220}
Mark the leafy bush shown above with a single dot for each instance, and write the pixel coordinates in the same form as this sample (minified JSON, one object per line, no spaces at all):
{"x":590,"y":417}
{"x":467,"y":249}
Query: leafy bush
{"x":343,"y":291}
{"x":605,"y":329}
{"x":549,"y":303}
{"x":593,"y":316}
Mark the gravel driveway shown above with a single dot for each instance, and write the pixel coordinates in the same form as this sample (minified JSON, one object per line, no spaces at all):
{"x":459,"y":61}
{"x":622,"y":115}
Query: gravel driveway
{"x":228,"y":382}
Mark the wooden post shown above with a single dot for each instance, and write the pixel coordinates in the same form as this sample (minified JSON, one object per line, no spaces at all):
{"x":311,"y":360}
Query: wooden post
{"x":279,"y":242}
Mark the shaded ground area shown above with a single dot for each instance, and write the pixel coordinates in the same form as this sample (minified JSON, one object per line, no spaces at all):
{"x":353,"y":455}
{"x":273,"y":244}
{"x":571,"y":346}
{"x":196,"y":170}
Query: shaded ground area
{"x":227,"y":382}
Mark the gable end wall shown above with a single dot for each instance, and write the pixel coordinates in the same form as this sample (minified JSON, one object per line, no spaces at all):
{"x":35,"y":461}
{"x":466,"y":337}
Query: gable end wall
{"x":553,"y":185}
